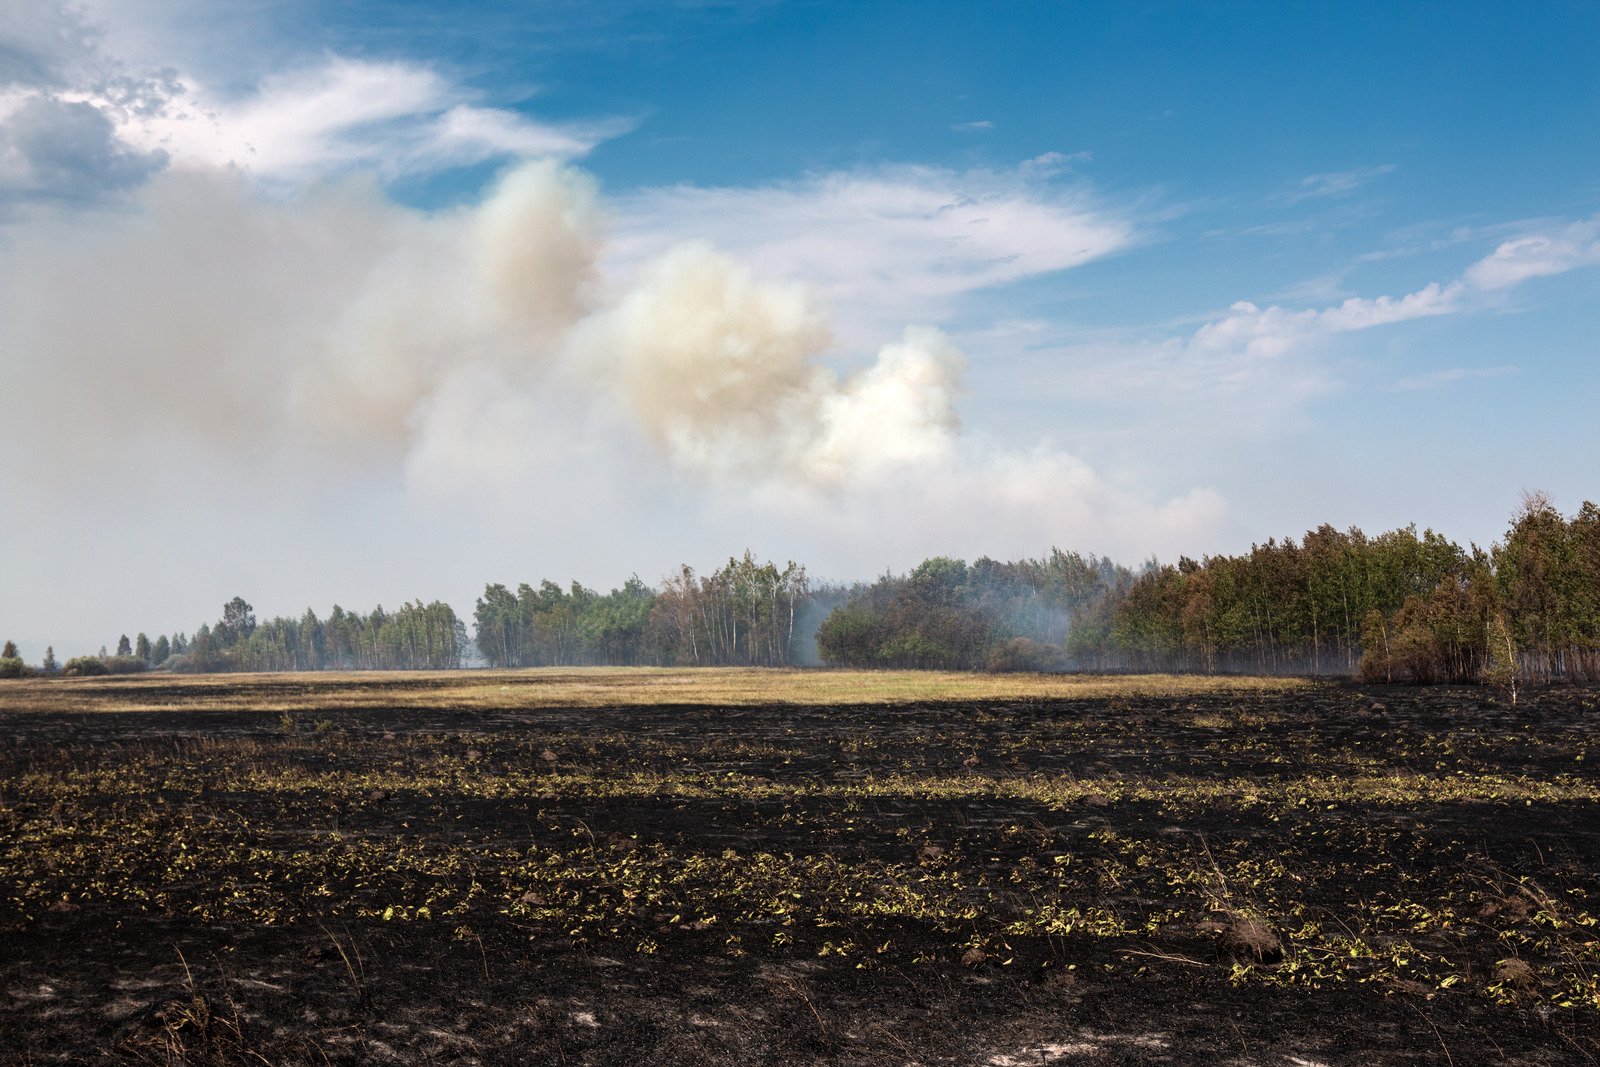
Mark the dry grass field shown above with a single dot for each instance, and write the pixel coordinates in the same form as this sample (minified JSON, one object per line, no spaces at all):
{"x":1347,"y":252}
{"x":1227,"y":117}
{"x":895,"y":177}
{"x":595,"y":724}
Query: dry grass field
{"x":590,"y":687}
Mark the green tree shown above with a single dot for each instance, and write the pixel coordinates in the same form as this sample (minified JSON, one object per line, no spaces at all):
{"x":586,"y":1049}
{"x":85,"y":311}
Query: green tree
{"x":202,"y":650}
{"x":238,"y":622}
{"x":50,"y":665}
{"x":10,"y":651}
{"x":498,"y":623}
{"x":142,"y":649}
{"x":1500,"y":665}
{"x":124,"y":646}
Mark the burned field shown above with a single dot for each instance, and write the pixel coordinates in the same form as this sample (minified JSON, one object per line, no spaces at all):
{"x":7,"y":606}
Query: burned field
{"x":1299,"y":875}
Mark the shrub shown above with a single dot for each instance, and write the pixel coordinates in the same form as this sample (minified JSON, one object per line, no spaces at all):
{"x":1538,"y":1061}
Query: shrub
{"x":85,"y":666}
{"x":126,"y":665}
{"x":1024,"y":654}
{"x":12,"y":667}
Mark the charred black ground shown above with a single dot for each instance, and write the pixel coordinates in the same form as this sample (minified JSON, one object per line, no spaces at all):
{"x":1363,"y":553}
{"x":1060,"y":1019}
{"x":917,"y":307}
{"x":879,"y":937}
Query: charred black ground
{"x":1334,"y":876}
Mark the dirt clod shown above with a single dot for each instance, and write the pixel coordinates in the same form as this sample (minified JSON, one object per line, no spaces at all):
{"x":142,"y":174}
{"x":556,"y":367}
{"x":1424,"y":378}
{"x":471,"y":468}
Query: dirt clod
{"x":1248,"y":940}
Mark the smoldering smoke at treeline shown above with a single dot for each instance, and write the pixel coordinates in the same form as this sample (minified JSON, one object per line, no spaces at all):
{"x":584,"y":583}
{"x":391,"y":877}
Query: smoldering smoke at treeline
{"x":1400,"y":606}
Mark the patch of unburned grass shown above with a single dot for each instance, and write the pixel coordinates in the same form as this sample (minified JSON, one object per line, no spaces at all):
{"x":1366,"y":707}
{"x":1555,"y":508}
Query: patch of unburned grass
{"x":588,"y":687}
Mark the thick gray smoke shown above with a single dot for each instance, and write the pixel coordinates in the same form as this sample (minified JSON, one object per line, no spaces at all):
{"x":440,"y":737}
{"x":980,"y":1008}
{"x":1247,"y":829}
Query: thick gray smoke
{"x":332,"y":394}
{"x":342,"y":319}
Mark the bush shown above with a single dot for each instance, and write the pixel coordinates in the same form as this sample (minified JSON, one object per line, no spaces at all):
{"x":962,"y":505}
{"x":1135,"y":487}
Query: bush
{"x":126,"y":665}
{"x":1024,"y":654}
{"x":85,"y":666}
{"x":13,"y":667}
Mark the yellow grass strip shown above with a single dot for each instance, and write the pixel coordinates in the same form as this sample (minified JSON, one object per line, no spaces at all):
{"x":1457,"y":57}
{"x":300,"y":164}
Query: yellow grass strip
{"x":590,"y":687}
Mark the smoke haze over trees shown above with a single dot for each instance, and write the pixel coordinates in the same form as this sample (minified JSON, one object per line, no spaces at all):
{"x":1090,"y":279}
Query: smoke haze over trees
{"x":1397,"y":607}
{"x":1400,"y":606}
{"x":991,"y":615}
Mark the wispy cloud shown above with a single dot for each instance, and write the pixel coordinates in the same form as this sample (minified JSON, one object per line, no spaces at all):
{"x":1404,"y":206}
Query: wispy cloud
{"x":1050,"y":164}
{"x":886,"y":242}
{"x":1258,"y":332}
{"x":1253,"y":366}
{"x":394,"y":116}
{"x":76,"y":121}
{"x":1439,"y":378}
{"x":1537,"y":255}
{"x":972,"y":127}
{"x":1333,"y":183}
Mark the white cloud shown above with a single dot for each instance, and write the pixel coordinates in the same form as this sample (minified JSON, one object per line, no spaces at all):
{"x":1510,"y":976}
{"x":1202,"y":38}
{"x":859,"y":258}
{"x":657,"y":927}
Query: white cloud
{"x":467,"y":133}
{"x":395,"y":117}
{"x":981,"y":126}
{"x":1248,"y":335}
{"x":294,"y":123}
{"x":75,"y":122}
{"x":1538,"y":255}
{"x":1050,"y":164}
{"x":1253,"y":369}
{"x":884,"y":244}
{"x":1265,"y":333}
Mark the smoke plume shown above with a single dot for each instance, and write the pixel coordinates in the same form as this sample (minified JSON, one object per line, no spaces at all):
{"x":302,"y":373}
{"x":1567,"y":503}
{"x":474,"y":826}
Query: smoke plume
{"x":725,"y":373}
{"x":327,"y":391}
{"x":340,"y":319}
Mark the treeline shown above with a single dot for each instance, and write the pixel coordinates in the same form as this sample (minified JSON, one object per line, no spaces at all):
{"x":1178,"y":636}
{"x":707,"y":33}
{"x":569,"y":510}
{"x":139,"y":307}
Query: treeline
{"x":1285,"y":607}
{"x":124,"y":661}
{"x":416,"y":637}
{"x":1400,"y":606}
{"x":743,"y":613}
{"x":1397,"y":607}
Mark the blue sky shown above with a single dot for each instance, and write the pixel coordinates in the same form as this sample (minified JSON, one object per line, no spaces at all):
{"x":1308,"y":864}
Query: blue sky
{"x":1178,"y":278}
